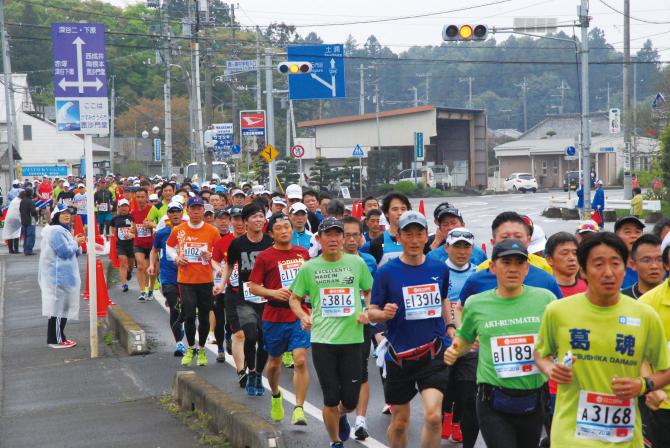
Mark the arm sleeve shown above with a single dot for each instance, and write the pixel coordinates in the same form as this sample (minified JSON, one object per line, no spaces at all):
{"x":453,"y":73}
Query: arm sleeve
{"x":546,"y":344}
{"x":468,"y":328}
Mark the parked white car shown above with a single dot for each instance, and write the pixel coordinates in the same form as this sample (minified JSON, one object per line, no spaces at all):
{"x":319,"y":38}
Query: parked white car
{"x":424,"y":175}
{"x":522,"y":182}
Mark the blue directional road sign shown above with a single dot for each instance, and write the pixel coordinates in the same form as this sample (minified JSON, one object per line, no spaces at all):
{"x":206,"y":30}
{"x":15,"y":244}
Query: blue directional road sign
{"x":570,"y":151}
{"x":157,"y":149}
{"x":358,"y":151}
{"x":80,"y":77}
{"x":236,"y":149}
{"x":418,"y":146}
{"x":326,"y":80}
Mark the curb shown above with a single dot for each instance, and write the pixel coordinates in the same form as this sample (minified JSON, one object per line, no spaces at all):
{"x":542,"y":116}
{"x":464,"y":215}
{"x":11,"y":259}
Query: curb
{"x":242,"y":426}
{"x":130,"y":335}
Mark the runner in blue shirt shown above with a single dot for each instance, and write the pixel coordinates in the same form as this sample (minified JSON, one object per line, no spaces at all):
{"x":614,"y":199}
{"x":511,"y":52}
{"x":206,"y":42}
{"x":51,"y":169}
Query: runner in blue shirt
{"x":168,"y":273}
{"x":408,"y":293}
{"x":386,"y":247}
{"x":298,"y":216}
{"x":448,"y":218}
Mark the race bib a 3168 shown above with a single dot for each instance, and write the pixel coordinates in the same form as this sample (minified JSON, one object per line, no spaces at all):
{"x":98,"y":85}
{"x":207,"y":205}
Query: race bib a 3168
{"x":422,"y":301}
{"x":605,"y":417}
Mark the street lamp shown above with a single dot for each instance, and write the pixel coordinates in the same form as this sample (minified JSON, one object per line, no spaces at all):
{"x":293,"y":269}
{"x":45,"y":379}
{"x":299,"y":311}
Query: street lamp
{"x":155,"y":130}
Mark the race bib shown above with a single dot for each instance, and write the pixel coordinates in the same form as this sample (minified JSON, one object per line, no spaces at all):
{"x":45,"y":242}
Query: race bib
{"x":249,"y":297}
{"x":217,"y":280}
{"x":124,"y":233}
{"x":422,"y":301}
{"x":234,"y":278}
{"x":45,"y":196}
{"x":288,"y":270}
{"x":103,"y":207}
{"x":337,"y":302}
{"x":143,"y":231}
{"x":605,"y":417}
{"x":513,"y":355}
{"x":66,"y":201}
{"x":193,"y":251}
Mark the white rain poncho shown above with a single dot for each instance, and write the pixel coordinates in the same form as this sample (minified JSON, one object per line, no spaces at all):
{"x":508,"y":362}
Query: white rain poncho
{"x":12,"y":227}
{"x":59,"y":273}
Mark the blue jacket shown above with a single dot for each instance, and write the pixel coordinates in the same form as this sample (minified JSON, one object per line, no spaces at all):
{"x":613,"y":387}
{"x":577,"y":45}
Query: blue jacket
{"x":598,"y":202}
{"x":580,"y":197}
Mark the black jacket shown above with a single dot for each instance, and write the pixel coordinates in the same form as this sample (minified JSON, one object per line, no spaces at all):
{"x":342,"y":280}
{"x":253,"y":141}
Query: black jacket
{"x":28,"y":211}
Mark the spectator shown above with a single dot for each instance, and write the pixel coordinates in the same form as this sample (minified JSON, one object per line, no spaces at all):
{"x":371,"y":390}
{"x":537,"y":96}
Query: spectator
{"x":636,"y":202}
{"x":29,"y":216}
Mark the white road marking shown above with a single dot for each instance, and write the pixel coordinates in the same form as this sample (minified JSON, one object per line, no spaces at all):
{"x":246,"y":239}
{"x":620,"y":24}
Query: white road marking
{"x":286,"y":394}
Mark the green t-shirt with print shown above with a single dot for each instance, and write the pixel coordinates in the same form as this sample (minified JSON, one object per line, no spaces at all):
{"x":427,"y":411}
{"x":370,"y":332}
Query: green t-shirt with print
{"x":508,"y":331}
{"x":334,"y":289}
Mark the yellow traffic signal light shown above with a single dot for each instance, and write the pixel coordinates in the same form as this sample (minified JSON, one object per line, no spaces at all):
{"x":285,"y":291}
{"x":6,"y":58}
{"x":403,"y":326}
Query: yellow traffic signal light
{"x":464,"y":32}
{"x":294,"y":67}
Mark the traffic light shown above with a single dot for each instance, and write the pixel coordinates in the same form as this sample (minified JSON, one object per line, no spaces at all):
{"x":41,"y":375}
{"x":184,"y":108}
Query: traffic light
{"x":464,"y":32}
{"x":294,"y":67}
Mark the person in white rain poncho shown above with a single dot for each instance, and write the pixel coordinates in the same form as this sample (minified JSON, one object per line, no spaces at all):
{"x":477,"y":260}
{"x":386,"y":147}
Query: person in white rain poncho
{"x":11,"y":232}
{"x":59,"y":275}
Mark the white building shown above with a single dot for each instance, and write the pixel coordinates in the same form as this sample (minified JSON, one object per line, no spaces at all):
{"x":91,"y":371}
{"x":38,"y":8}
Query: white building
{"x":40,"y":146}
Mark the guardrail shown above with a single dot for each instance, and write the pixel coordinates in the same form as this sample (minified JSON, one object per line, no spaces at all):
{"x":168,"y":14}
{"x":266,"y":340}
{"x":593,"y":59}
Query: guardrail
{"x":616,"y":204}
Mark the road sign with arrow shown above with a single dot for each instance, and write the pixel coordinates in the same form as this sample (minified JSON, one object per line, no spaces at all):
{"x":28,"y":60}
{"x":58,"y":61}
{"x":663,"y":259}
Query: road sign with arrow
{"x":269,"y":153}
{"x":325,"y":80}
{"x":80,"y":77}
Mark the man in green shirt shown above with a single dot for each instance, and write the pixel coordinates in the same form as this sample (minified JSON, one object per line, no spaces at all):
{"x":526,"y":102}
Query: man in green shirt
{"x":506,"y":321}
{"x":157,"y":213}
{"x":334,"y":282}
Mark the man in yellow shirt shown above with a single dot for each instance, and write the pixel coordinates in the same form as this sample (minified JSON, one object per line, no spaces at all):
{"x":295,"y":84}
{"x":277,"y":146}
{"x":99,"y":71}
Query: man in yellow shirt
{"x":658,"y":417}
{"x":636,"y":202}
{"x":602,"y":338}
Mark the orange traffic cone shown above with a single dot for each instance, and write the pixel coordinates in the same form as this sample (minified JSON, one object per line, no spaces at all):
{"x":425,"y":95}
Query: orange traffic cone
{"x":422,"y":208}
{"x":112,"y":253}
{"x":79,"y":230}
{"x":98,"y":238}
{"x":101,"y":290}
{"x":86,"y":294}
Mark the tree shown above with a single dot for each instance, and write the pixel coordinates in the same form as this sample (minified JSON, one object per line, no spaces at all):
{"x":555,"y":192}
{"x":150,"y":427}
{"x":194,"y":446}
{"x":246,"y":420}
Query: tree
{"x":665,"y":160}
{"x":382,"y":166}
{"x":320,"y":174}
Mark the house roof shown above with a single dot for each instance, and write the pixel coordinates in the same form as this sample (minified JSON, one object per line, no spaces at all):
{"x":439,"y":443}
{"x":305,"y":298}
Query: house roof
{"x":383,"y":114}
{"x":549,"y":146}
{"x":561,"y":117}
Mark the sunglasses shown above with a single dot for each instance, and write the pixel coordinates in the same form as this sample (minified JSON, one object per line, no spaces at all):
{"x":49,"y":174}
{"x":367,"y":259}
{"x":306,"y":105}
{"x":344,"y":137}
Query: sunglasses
{"x":461,"y":234}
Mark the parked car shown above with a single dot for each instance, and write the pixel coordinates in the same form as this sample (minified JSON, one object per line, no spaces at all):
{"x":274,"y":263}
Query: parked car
{"x":425,"y":175}
{"x":571,"y":180}
{"x":522,"y":182}
{"x":443,"y":179}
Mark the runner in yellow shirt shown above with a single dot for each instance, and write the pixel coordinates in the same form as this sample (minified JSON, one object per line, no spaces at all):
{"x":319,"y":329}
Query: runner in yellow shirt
{"x":600,"y":339}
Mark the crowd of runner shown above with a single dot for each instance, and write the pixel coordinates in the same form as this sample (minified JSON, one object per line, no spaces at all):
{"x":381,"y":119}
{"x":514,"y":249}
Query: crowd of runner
{"x":560,"y":340}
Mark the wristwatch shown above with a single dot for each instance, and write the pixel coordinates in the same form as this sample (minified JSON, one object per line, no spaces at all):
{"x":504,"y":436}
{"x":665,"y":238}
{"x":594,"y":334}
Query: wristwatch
{"x":649,"y":384}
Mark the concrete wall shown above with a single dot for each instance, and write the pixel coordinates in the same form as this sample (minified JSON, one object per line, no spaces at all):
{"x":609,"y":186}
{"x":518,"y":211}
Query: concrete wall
{"x":514,"y":164}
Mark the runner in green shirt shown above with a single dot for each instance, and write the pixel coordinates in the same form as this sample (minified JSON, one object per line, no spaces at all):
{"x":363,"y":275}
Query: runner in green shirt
{"x":157,"y":213}
{"x":334,"y":282}
{"x":506,"y":320}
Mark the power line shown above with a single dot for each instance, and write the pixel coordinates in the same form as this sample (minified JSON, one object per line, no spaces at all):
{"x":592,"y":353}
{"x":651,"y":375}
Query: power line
{"x":653,"y":22}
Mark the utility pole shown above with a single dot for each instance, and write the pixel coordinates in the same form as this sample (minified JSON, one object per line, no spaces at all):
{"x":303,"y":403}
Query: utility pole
{"x":608,"y":96}
{"x":627,"y":111}
{"x":208,"y":90}
{"x":524,"y":98}
{"x":469,"y":81}
{"x":195,"y":90}
{"x":361,"y":97}
{"x":10,"y":109}
{"x":563,"y":88}
{"x":167,"y":87}
{"x":270,"y":115}
{"x":112,"y":146}
{"x":427,"y":76}
{"x":586,"y":124}
{"x":415,"y":92}
{"x":379,"y":131}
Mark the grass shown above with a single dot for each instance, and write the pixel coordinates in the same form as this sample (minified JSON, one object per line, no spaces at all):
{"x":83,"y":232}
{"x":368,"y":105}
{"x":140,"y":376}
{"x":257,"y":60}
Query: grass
{"x":665,"y":211}
{"x":109,"y":338}
{"x":197,"y":421}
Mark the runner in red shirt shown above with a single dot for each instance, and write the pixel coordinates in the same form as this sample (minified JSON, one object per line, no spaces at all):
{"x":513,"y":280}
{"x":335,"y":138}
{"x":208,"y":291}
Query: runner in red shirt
{"x":45,"y":192}
{"x":143,"y":242}
{"x":274,"y":271}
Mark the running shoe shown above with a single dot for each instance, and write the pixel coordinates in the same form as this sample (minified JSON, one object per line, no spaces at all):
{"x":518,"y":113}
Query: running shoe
{"x":336,"y":445}
{"x":221,"y":356}
{"x":345,"y":428}
{"x":187,"y":360}
{"x":277,"y":408}
{"x":260,"y":389}
{"x":386,"y":410}
{"x":211,"y":339}
{"x":298,"y":417}
{"x":251,"y":384}
{"x":447,"y":425}
{"x":361,"y":432}
{"x":61,"y":345}
{"x":179,"y":349}
{"x":69,"y":342}
{"x":456,"y":434}
{"x":142,"y":298}
{"x":124,"y":288}
{"x":287,"y":360}
{"x":150,"y":295}
{"x":202,"y":357}
{"x":242,"y":378}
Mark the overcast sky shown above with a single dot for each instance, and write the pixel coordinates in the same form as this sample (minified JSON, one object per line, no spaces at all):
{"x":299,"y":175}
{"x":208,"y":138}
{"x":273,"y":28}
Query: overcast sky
{"x":401,"y":34}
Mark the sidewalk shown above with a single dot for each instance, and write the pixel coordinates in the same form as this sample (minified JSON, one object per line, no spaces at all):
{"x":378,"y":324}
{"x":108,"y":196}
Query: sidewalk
{"x":62,"y":398}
